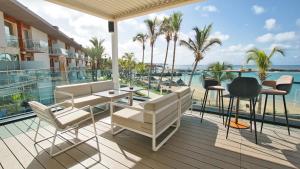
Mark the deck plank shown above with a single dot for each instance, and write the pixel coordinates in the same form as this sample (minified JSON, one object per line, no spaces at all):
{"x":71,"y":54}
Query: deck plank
{"x":44,"y":158}
{"x":7,"y":158}
{"x":194,"y":145}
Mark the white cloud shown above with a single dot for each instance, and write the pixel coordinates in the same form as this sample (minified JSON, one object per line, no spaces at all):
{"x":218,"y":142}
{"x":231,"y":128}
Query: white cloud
{"x":298,"y":22}
{"x":160,"y":16}
{"x":270,"y":24}
{"x":239,"y":48}
{"x":280,"y":45}
{"x":258,"y":9}
{"x":208,"y":8}
{"x":220,"y":35}
{"x":285,"y":36}
{"x":133,"y":24}
{"x":280,"y":37}
{"x":265,"y":38}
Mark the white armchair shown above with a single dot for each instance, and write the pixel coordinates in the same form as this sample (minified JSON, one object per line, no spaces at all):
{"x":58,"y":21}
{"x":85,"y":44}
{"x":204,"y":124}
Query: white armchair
{"x":63,"y":120}
{"x":150,"y":118}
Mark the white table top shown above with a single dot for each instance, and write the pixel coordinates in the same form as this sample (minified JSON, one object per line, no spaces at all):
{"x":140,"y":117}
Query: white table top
{"x":127,"y":89}
{"x":116,"y":94}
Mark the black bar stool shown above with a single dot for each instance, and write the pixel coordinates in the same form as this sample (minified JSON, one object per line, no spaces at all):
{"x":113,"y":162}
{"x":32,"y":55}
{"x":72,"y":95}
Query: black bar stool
{"x":212,"y":84}
{"x":281,"y":87}
{"x":246,"y":88}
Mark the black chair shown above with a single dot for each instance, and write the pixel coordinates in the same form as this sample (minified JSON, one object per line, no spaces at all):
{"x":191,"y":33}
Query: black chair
{"x":281,"y":87}
{"x":212,"y":84}
{"x":245,"y":88}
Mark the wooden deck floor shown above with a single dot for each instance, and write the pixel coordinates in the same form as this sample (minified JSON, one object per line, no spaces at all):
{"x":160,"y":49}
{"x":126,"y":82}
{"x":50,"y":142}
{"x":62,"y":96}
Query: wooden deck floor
{"x":195,"y":145}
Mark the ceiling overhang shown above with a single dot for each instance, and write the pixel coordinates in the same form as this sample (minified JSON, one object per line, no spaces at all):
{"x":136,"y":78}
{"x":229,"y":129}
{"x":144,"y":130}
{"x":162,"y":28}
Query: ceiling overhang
{"x":121,"y":9}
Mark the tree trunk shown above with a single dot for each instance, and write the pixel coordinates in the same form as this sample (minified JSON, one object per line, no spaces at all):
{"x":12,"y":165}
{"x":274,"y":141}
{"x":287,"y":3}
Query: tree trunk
{"x":174,"y":52}
{"x":150,"y":70}
{"x":195,"y":66}
{"x":165,"y":62}
{"x":143,"y":53}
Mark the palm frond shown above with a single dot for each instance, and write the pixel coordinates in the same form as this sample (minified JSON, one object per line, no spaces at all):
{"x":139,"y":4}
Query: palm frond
{"x":210,"y":43}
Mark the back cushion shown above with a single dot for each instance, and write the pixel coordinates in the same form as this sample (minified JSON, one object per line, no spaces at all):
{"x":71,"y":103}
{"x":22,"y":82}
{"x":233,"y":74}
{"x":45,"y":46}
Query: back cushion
{"x":183,"y":91}
{"x":101,"y":86}
{"x":157,"y":104}
{"x":285,"y":83}
{"x":41,"y":110}
{"x":82,"y":89}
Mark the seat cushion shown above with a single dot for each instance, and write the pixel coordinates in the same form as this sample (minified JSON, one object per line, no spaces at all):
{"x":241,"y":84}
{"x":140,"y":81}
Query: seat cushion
{"x":132,"y":119}
{"x":273,"y":92}
{"x":87,"y":100}
{"x":101,"y":86}
{"x":70,"y":116}
{"x":215,"y":88}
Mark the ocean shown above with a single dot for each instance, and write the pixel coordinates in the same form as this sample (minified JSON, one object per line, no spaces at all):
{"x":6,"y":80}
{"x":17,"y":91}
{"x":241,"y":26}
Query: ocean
{"x":292,"y":97}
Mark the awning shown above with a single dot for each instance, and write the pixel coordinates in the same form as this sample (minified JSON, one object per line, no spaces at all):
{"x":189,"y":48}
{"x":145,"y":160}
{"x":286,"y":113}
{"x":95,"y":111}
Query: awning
{"x":121,"y":9}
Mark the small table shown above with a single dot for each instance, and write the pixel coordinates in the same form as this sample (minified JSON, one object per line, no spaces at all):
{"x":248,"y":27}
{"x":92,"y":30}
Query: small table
{"x":236,"y":123}
{"x":131,"y":91}
{"x":116,"y":95}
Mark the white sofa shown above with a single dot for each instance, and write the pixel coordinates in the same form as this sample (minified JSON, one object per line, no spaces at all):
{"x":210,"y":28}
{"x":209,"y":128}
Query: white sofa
{"x":185,"y":96}
{"x":150,"y":119}
{"x":80,"y":95}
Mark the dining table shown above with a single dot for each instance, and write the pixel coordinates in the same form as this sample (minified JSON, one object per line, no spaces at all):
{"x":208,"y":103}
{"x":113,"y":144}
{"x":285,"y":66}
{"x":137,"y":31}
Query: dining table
{"x":236,"y":123}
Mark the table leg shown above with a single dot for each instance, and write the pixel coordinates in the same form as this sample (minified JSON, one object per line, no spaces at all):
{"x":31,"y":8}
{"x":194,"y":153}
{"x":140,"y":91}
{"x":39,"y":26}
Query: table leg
{"x":111,"y":112}
{"x":130,"y":102}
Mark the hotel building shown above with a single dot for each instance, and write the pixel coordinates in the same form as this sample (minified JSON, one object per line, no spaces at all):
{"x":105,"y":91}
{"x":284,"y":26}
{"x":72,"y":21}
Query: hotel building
{"x":30,"y":42}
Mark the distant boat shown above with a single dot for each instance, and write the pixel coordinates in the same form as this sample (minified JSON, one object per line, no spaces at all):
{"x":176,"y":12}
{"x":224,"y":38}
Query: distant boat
{"x":180,"y":82}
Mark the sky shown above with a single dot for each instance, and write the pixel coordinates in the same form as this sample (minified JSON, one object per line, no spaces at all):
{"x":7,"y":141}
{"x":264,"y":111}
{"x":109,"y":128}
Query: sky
{"x":240,"y":24}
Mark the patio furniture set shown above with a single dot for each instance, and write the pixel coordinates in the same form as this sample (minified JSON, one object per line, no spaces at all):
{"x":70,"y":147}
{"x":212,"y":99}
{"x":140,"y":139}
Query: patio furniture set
{"x":74,"y":105}
{"x":247,"y":88}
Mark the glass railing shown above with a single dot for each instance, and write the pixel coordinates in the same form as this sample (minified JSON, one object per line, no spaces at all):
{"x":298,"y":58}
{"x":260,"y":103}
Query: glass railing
{"x":19,"y":87}
{"x":133,"y":78}
{"x":36,"y":45}
{"x":71,"y":54}
{"x":12,"y":41}
{"x":58,"y":51}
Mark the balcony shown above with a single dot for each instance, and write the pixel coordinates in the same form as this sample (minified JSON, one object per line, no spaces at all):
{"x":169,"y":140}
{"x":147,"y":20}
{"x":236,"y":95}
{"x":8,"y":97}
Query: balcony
{"x":57,"y":51}
{"x":36,"y":46}
{"x":12,"y":41}
{"x":71,"y":54}
{"x":195,"y":145}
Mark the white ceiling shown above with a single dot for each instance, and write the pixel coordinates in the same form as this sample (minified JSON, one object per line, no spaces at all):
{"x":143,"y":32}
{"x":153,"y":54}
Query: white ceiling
{"x":121,"y":9}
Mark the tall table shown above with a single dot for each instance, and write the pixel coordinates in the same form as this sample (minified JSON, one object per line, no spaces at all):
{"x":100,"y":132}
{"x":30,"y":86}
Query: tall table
{"x":236,"y":123}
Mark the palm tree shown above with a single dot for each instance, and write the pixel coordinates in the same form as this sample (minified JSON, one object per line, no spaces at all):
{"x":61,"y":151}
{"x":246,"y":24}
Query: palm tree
{"x":176,"y":19}
{"x":127,"y":64}
{"x":215,"y":71}
{"x":142,"y":38}
{"x":167,"y":29}
{"x":262,"y":60}
{"x":98,"y":49}
{"x":153,"y":32}
{"x":96,"y":52}
{"x":200,"y":45}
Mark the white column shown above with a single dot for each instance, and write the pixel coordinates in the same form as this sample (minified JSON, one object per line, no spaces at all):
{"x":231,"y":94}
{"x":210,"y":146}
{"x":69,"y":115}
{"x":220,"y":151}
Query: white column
{"x":2,"y":32}
{"x":114,"y":47}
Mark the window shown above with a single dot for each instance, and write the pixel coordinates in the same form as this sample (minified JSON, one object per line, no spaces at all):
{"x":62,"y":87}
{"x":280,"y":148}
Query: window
{"x":8,"y":27}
